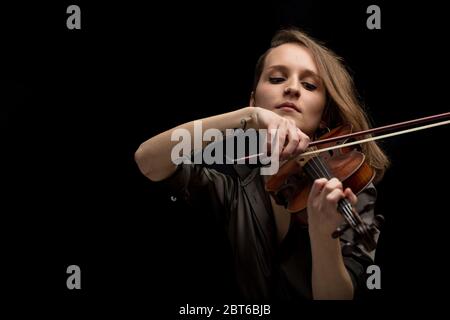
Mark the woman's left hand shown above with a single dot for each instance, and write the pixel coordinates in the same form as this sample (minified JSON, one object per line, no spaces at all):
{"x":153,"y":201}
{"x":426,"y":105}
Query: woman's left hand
{"x":323,"y":217}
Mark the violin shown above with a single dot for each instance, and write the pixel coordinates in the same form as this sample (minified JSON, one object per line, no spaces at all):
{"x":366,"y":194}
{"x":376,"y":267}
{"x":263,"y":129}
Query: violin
{"x":340,"y":157}
{"x":290,"y":187}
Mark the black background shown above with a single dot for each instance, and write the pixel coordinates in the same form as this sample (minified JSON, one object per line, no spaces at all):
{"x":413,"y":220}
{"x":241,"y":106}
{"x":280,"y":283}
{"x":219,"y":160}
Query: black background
{"x":79,"y":102}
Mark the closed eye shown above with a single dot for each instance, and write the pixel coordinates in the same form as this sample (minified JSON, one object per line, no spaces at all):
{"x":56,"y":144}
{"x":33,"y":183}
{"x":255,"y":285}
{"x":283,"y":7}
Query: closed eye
{"x":309,"y":86}
{"x":276,"y":80}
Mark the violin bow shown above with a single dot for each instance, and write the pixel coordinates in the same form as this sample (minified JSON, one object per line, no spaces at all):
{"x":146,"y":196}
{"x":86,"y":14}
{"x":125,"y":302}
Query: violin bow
{"x":371,"y":131}
{"x":379,"y":130}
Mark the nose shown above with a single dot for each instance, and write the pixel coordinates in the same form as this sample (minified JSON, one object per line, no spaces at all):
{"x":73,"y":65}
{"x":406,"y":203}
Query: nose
{"x":292,"y":90}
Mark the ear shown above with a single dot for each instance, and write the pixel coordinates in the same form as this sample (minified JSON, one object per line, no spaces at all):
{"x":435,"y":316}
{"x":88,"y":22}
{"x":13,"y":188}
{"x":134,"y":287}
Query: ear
{"x":252,"y":99}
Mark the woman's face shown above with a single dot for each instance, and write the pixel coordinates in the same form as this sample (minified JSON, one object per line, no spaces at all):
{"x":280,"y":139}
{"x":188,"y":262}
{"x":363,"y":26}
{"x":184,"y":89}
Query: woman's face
{"x":290,"y":86}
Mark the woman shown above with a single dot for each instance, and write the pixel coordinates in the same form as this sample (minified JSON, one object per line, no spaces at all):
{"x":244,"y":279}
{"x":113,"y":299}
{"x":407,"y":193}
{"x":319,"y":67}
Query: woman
{"x":300,"y":89}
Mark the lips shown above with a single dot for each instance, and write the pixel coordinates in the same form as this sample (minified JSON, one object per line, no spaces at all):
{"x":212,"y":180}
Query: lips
{"x":288,"y":105}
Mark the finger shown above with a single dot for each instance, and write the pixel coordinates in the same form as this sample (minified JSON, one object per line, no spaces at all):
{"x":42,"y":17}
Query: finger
{"x":334,"y":196}
{"x":293,"y":141}
{"x":317,"y":187}
{"x":281,"y":140}
{"x":332,"y":184}
{"x":351,"y":196}
{"x":304,"y":141}
{"x":299,"y":149}
{"x":271,"y":136}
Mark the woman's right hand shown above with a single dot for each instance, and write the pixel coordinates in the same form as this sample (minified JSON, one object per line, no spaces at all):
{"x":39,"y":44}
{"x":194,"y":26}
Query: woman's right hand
{"x":291,"y":140}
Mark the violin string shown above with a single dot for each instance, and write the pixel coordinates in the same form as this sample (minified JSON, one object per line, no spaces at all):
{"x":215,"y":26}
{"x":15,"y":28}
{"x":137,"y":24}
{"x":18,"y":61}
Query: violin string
{"x":320,"y":170}
{"x":344,"y":206}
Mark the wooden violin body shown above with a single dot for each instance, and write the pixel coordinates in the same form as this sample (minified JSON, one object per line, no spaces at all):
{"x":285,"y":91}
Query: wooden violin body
{"x":291,"y":185}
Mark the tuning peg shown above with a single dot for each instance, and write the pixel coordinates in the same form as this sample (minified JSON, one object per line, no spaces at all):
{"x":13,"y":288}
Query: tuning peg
{"x":340,"y":230}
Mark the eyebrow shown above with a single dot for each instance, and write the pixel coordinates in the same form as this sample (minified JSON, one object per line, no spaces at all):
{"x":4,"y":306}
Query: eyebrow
{"x":308,"y":72}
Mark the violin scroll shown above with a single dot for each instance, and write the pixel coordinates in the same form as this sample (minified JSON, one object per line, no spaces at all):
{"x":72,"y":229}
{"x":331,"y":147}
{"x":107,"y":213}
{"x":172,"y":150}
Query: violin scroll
{"x":364,"y":233}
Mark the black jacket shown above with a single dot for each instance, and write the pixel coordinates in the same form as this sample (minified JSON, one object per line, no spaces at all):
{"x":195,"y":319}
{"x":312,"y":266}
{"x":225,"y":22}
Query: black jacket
{"x":265,"y":269}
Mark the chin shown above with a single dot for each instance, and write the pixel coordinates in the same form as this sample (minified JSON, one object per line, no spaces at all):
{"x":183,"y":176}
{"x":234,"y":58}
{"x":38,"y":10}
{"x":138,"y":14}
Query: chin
{"x":292,"y":116}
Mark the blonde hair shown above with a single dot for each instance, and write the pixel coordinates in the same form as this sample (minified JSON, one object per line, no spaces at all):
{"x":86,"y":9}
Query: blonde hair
{"x":342,"y":104}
